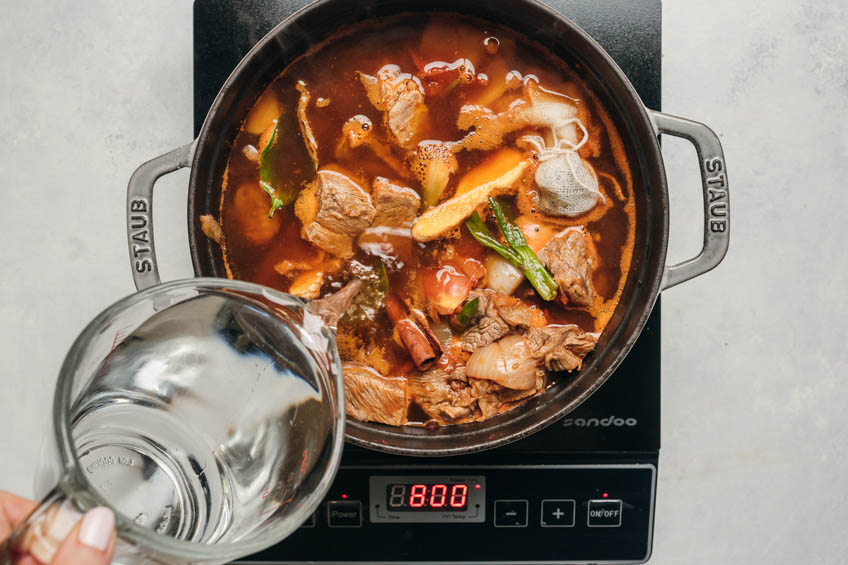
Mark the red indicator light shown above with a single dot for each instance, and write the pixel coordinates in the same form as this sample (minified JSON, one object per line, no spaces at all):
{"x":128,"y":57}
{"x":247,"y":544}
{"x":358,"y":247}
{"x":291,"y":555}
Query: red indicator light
{"x":344,"y":496}
{"x":476,"y":487}
{"x":605,"y":495}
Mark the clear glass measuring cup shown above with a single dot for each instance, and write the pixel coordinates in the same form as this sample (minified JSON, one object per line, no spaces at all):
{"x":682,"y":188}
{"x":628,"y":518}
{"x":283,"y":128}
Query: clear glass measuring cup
{"x":207,"y":413}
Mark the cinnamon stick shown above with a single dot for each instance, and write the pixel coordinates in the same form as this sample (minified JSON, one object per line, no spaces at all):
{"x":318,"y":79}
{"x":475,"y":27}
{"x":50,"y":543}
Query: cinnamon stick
{"x":413,"y":336}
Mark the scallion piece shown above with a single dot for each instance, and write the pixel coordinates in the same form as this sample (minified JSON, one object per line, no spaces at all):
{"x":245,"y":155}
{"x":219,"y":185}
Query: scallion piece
{"x":533,"y":269}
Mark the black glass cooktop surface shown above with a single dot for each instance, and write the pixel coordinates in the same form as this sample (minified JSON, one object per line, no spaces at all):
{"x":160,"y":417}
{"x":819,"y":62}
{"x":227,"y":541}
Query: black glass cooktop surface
{"x":582,"y":490}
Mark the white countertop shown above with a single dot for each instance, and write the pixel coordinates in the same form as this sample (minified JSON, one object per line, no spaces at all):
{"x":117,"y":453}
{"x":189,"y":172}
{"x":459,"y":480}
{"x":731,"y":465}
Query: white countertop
{"x":755,"y":405}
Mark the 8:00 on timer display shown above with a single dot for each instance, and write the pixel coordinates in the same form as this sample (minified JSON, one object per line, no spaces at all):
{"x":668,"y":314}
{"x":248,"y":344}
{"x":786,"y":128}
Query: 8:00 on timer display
{"x":423,"y":496}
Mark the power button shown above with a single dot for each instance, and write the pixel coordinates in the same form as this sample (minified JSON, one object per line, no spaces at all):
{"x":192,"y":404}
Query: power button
{"x":344,"y":514}
{"x":604,"y":513}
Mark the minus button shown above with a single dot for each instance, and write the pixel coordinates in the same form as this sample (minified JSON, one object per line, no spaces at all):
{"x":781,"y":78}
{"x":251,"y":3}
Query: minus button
{"x":510,"y":513}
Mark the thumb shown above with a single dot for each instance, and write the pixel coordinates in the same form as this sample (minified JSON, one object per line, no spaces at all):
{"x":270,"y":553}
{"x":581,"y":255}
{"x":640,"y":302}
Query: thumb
{"x":92,"y":541}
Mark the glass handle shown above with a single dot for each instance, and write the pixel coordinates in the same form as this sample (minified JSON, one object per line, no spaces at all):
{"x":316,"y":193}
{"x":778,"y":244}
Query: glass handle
{"x":43,"y":531}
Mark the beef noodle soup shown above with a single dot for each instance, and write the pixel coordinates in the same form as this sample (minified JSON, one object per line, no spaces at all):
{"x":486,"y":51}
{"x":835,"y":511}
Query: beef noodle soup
{"x":452,"y":195}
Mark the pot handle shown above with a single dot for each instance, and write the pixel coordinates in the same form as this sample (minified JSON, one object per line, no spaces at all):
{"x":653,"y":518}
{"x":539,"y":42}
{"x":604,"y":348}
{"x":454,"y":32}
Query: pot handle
{"x":716,"y":197}
{"x":145,"y":269}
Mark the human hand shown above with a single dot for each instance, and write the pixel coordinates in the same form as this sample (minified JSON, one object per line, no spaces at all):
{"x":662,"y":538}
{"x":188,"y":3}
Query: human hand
{"x":91,"y":541}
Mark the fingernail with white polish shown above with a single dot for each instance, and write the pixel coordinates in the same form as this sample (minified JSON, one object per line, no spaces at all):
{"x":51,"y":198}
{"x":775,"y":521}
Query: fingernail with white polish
{"x":96,"y":529}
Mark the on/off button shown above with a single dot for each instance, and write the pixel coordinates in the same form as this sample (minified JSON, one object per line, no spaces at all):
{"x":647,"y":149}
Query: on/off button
{"x":604,"y":513}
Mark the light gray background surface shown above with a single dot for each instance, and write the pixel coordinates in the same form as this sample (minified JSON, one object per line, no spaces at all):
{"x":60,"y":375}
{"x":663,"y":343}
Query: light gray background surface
{"x":753,"y":464}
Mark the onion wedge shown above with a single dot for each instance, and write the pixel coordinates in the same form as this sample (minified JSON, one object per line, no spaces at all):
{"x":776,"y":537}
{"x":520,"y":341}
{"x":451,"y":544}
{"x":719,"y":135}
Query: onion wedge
{"x":506,"y":362}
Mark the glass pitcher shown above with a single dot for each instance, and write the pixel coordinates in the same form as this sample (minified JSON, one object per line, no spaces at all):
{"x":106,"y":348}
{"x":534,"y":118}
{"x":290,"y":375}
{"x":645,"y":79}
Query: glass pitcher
{"x":208,"y":414}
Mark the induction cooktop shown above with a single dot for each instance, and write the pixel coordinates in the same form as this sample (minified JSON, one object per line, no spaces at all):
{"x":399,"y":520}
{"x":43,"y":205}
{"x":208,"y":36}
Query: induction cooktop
{"x":580,"y":491}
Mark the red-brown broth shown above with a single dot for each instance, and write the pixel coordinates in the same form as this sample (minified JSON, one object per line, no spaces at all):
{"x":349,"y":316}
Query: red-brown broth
{"x":330,"y":72}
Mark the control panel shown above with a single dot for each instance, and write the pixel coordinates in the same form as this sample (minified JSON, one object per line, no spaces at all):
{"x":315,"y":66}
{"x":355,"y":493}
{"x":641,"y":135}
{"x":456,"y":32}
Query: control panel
{"x":499,"y":513}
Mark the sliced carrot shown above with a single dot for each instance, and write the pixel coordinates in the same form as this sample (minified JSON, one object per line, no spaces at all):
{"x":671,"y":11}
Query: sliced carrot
{"x":493,"y":167}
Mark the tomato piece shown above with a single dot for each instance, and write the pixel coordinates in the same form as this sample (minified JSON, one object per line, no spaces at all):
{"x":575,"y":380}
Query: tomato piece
{"x":446,"y":288}
{"x":474,"y":269}
{"x":437,"y":80}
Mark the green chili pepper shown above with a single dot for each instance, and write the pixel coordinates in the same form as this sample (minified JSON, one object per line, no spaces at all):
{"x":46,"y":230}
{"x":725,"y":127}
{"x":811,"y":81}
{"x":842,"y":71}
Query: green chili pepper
{"x":516,"y":251}
{"x":281,"y":170}
{"x":266,"y":172}
{"x":468,"y":312}
{"x":481,"y":233}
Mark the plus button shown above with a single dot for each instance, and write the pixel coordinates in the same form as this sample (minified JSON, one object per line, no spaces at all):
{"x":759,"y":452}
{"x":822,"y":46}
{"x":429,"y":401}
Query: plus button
{"x":558,"y":513}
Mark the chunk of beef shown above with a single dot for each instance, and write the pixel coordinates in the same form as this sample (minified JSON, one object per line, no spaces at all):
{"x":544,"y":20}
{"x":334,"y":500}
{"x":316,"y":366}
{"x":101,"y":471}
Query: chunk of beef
{"x":497,"y":314}
{"x":562,"y":348}
{"x":400,"y":97}
{"x":493,"y":398}
{"x":303,"y":122}
{"x":513,"y":311}
{"x":488,"y":330}
{"x":211,"y":228}
{"x":359,"y":131}
{"x":308,"y":284}
{"x":571,"y":256}
{"x":444,"y":396}
{"x":396,"y":205}
{"x":287,"y":267}
{"x":370,"y":397}
{"x":487,"y":326}
{"x":334,"y":210}
{"x":331,"y":308}
{"x":406,"y":113}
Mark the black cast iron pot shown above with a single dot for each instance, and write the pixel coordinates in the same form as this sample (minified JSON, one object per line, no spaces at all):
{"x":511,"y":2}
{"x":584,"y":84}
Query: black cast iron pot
{"x":638,"y":126}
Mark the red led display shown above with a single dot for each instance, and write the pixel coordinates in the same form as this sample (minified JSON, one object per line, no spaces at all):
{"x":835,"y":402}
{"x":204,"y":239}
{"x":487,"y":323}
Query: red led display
{"x":421,"y":496}
{"x":459,"y":496}
{"x":438,"y":496}
{"x":418,"y":496}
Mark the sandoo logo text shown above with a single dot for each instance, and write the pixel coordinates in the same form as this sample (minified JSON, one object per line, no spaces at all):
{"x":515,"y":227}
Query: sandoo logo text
{"x":600,"y":422}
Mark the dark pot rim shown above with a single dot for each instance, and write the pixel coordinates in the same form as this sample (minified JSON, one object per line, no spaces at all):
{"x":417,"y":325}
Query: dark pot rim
{"x":544,"y":409}
{"x":638,"y":127}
